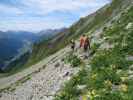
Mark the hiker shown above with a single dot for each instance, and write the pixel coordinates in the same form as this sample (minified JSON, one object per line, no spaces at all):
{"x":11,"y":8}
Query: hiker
{"x":86,"y":47}
{"x":72,"y":45}
{"x":82,"y":39}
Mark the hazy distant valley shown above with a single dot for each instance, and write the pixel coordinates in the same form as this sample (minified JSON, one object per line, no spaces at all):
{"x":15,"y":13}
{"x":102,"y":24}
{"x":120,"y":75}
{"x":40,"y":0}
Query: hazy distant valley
{"x":14,"y":44}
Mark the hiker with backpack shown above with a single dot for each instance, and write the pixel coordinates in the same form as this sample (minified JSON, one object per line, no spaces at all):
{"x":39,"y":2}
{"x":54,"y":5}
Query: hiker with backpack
{"x":82,"y":39}
{"x":86,"y":47}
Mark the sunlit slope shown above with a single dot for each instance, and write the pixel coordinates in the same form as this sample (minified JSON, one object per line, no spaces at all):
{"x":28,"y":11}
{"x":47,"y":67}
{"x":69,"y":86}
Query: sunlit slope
{"x":109,"y":73}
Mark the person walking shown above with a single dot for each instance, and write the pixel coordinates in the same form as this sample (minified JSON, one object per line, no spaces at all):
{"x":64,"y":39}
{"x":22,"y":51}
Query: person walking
{"x":73,"y":45}
{"x":82,"y":40}
{"x":86,"y":47}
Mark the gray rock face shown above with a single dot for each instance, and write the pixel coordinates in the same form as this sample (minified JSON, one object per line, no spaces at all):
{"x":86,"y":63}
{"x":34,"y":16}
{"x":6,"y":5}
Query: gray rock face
{"x":43,"y":85}
{"x":81,"y":87}
{"x":129,"y":58}
{"x":106,"y":46}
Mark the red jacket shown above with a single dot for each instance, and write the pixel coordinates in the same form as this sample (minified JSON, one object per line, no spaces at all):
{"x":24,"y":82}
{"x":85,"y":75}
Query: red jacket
{"x":82,"y":40}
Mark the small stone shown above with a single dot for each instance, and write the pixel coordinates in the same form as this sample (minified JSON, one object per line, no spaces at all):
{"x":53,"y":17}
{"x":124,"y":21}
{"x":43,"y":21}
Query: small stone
{"x":129,"y":58}
{"x":44,"y":66}
{"x":81,"y":87}
{"x":119,"y":71}
{"x":57,"y":64}
{"x":115,"y":87}
{"x":130,"y":72}
{"x":68,"y":78}
{"x":66,"y":74}
{"x":88,"y":66}
{"x":31,"y":97}
{"x":131,"y":77}
{"x":131,"y":67}
{"x":0,"y":95}
{"x":62,"y":59}
{"x":106,"y":46}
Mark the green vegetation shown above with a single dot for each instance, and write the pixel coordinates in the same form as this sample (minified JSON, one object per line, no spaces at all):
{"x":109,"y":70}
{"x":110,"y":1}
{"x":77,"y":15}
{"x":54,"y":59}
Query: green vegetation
{"x":108,"y":78}
{"x":94,"y":48}
{"x":73,"y":60}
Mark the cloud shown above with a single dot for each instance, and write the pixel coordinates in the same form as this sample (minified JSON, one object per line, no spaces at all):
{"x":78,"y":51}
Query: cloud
{"x":9,"y":11}
{"x":43,"y":14}
{"x":31,"y":25}
{"x":47,"y":6}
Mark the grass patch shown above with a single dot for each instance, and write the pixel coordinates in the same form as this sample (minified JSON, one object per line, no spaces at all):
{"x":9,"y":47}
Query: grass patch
{"x":73,"y":60}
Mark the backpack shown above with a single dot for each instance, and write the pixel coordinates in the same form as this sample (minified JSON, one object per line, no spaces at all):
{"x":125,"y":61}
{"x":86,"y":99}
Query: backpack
{"x":87,"y":43}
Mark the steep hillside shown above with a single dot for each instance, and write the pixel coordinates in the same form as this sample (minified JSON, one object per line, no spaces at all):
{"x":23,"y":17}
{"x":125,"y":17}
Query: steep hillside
{"x":49,"y":33}
{"x":89,"y":23}
{"x":108,"y":75}
{"x":86,"y":24}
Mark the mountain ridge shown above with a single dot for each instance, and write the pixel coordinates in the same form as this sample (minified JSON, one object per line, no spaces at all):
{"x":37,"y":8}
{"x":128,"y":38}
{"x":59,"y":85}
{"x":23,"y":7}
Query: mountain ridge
{"x":15,"y":44}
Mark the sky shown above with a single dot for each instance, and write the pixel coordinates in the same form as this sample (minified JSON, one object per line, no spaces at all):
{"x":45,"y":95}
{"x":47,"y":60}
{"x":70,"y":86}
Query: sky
{"x":36,"y":15}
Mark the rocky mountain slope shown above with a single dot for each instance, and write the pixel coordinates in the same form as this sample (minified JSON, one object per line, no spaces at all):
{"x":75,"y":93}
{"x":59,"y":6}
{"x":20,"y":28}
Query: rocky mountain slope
{"x":44,"y":78}
{"x":89,"y":23}
{"x":109,"y":75}
{"x":106,"y":75}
